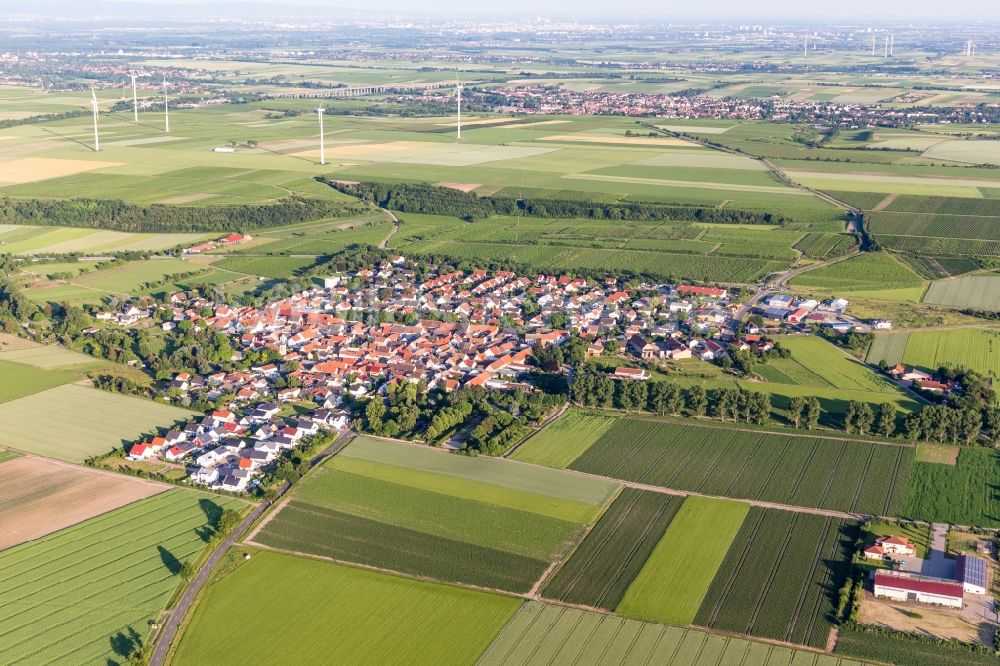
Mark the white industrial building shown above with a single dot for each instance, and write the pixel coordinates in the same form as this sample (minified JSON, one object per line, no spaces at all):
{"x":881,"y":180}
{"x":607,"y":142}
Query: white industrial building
{"x":902,"y":586}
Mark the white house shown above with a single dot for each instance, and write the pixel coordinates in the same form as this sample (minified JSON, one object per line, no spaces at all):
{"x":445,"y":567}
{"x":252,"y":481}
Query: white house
{"x":205,"y":475}
{"x":889,"y":546}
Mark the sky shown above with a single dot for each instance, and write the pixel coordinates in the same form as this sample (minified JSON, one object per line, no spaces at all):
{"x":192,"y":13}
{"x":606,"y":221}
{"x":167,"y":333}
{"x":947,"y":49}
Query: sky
{"x":789,"y":11}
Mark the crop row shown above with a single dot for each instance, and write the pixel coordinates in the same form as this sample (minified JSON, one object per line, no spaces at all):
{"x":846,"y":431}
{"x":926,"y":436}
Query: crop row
{"x":823,"y":246}
{"x":779,"y":577}
{"x":612,"y":554}
{"x":939,"y":245}
{"x":949,"y":226}
{"x":961,"y":494}
{"x":911,"y":203}
{"x":307,"y":528}
{"x":800,"y":471}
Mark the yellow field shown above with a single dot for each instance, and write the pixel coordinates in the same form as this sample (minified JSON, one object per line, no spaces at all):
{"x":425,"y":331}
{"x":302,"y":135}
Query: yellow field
{"x":615,"y":138}
{"x":30,"y":169}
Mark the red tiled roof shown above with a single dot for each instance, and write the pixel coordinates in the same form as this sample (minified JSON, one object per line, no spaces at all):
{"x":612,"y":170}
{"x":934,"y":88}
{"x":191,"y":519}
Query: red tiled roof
{"x":940,"y":588}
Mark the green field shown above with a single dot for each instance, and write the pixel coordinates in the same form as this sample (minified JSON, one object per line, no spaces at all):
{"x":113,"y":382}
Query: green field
{"x":63,"y":240}
{"x":816,"y":362}
{"x":961,"y":494}
{"x":787,"y":469}
{"x":73,"y":423}
{"x":977,"y":292}
{"x":481,"y":521}
{"x":86,"y":594}
{"x":973,"y":348}
{"x":672,"y":584}
{"x":780,"y":577}
{"x":564,"y":440}
{"x":613,"y":552}
{"x":23,"y":380}
{"x":125,"y":279}
{"x":540,"y":633}
{"x":47,"y":357}
{"x":888,"y":347}
{"x":879,"y":273}
{"x":273,"y":267}
{"x":901,"y":650}
{"x":336,"y":614}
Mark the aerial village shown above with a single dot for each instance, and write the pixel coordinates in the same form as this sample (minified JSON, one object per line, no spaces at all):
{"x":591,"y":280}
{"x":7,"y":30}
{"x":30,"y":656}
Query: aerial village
{"x":358,"y":333}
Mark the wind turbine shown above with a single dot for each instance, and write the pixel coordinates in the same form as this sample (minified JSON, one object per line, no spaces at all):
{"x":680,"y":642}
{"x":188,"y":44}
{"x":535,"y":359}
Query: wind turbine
{"x":166,"y":107}
{"x":458,"y":118}
{"x":886,"y":55}
{"x":322,"y":141}
{"x":873,"y":44}
{"x":892,"y":42}
{"x":805,"y":46}
{"x":135,"y":101}
{"x":97,"y":138}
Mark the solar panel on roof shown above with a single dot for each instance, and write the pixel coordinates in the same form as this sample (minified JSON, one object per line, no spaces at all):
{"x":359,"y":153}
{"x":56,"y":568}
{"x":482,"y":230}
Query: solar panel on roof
{"x":974,"y":571}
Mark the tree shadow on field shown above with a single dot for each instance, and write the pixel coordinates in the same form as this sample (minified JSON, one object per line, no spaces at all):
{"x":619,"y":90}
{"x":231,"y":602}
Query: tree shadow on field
{"x":124,"y":643}
{"x":213,"y":512}
{"x":172,"y":564}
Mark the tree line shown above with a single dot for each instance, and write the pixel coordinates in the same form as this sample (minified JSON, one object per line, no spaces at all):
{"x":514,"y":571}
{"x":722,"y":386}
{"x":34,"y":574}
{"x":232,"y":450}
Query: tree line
{"x":120,"y":215}
{"x":429,"y":199}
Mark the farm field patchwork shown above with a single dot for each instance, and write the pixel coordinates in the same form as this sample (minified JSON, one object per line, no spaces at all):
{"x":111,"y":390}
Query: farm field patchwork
{"x":565,"y":439}
{"x":613,"y":552}
{"x":39,"y":496}
{"x":480,"y":521}
{"x":30,"y":240}
{"x":787,"y":469}
{"x":125,"y":280}
{"x":674,"y":580}
{"x":73,"y":422}
{"x":87,"y":593}
{"x":542,"y":633}
{"x":337,"y":614}
{"x":780,"y":577}
{"x":830,"y":366}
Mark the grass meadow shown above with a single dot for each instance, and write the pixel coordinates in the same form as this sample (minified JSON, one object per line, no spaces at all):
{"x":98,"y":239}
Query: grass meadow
{"x":86,"y":594}
{"x":335,"y":614}
{"x":23,"y":380}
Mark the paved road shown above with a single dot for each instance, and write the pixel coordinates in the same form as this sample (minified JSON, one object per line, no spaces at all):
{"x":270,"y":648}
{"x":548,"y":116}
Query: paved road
{"x":166,"y":637}
{"x":180,"y":611}
{"x":395,"y":227}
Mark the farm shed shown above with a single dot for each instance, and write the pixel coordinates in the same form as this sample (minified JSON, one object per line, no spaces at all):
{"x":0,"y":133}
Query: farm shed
{"x":926,"y":590}
{"x":971,"y":572}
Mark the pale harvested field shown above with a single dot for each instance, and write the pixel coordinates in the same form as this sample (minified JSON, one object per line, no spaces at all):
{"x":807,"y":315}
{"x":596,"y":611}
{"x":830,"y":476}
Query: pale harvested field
{"x":186,"y":198}
{"x":478,"y":121}
{"x":686,"y":183}
{"x":703,"y":159}
{"x":615,"y":138}
{"x":461,"y":187}
{"x":39,"y":496}
{"x":31,"y":169}
{"x":72,"y":422}
{"x":145,"y":141}
{"x":472,"y":155}
{"x":10,"y":342}
{"x":972,"y":152}
{"x":529,"y":125}
{"x":700,"y":129}
{"x":47,"y":357}
{"x":938,"y":622}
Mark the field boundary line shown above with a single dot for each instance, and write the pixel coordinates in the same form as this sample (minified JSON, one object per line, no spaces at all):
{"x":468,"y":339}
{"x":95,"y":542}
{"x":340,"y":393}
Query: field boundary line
{"x":689,"y":493}
{"x":393,"y":572}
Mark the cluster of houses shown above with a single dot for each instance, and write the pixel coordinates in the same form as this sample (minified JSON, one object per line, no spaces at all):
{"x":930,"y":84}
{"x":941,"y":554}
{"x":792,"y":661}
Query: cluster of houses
{"x":925,"y":381}
{"x":231,"y":239}
{"x":785,"y":309}
{"x":225,"y":451}
{"x":127,"y":314}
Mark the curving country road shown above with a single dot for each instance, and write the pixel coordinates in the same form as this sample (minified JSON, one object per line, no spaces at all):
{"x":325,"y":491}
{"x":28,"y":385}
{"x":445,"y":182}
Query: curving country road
{"x":166,"y":637}
{"x":395,"y":227}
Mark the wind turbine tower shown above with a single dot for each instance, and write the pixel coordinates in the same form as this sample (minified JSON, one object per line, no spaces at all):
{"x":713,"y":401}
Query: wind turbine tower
{"x":322,"y":141}
{"x":97,"y":137}
{"x":886,"y":54}
{"x":458,"y":117}
{"x":805,"y":46}
{"x":135,"y":101}
{"x":892,"y":42}
{"x":873,"y":44}
{"x":166,"y":107}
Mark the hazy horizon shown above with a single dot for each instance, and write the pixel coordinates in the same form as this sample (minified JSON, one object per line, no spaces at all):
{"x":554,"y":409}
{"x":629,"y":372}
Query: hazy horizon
{"x":846,"y":12}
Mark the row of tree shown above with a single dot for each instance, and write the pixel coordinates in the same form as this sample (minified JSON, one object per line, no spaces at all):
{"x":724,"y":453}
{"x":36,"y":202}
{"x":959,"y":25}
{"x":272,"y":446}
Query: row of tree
{"x":123,"y":216}
{"x":429,"y":199}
